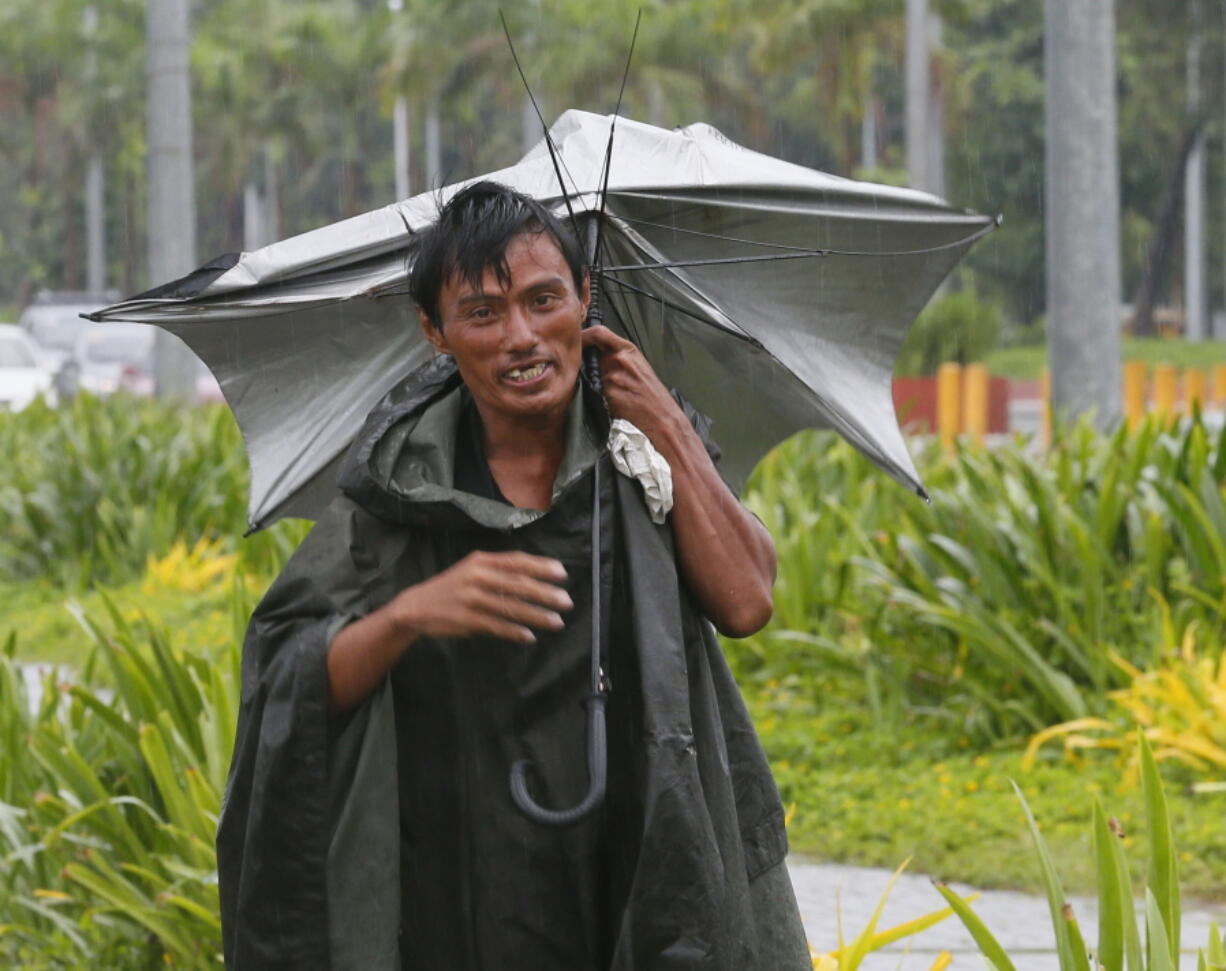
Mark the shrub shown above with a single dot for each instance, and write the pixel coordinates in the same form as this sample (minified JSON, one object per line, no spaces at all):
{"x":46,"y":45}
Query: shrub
{"x":110,"y":804}
{"x":996,"y":605}
{"x":103,"y":484}
{"x":1179,"y":708}
{"x":958,"y":327}
{"x":1119,"y":941}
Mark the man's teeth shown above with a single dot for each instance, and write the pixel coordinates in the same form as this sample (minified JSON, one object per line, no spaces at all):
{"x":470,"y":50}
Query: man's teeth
{"x":526,"y":374}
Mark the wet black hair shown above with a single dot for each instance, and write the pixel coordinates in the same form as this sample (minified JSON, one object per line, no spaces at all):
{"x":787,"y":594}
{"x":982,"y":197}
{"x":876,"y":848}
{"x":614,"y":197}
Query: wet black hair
{"x":471,"y":235}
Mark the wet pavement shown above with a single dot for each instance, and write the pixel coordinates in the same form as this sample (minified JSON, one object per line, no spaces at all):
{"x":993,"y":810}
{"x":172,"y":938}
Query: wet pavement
{"x":1021,"y":922}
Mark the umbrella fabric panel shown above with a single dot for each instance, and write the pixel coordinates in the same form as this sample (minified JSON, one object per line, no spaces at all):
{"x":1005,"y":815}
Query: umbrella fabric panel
{"x":843,"y":353}
{"x":301,"y":382}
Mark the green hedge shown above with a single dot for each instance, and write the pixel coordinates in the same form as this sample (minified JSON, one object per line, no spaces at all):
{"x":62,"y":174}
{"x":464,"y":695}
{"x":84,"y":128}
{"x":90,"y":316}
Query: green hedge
{"x":109,"y":799}
{"x":89,"y":491}
{"x":993,"y":607}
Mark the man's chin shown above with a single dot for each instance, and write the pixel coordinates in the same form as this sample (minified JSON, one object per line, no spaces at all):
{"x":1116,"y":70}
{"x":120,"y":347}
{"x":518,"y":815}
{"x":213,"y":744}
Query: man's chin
{"x":537,"y":402}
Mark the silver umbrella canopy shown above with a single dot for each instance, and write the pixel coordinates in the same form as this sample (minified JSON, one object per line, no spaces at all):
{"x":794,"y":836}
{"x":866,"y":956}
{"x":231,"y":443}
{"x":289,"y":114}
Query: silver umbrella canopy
{"x":773,"y":296}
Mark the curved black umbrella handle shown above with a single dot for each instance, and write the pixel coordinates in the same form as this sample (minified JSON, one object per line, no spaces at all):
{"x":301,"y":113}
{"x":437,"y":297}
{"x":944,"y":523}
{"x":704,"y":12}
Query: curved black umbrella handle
{"x":597,"y":761}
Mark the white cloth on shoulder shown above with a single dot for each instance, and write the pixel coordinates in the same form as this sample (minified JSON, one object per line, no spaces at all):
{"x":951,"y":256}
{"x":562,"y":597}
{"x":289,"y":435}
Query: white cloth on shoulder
{"x":635,"y":457}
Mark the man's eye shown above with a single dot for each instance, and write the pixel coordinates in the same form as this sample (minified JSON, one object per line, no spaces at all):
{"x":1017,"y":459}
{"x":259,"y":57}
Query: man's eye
{"x":544,"y":299}
{"x":481,"y":313}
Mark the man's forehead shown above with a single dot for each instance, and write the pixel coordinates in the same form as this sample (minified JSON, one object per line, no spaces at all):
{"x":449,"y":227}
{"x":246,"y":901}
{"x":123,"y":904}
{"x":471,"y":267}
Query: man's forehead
{"x":528,"y":259}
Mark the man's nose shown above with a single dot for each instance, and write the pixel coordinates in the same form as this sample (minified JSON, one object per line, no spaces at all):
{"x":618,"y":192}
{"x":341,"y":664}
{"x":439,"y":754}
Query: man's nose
{"x":520,"y":333}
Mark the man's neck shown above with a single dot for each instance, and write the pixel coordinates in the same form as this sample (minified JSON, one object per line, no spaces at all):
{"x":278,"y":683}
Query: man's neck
{"x":524,"y":455}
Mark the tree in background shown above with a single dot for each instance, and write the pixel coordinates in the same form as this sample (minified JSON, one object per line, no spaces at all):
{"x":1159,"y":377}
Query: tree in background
{"x":293,"y":102}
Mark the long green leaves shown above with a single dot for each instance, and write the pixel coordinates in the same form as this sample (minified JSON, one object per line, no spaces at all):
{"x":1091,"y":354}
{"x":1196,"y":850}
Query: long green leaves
{"x":110,"y":806}
{"x":102,"y":485}
{"x":1163,"y":868}
{"x":999,"y":603}
{"x":1119,"y":941}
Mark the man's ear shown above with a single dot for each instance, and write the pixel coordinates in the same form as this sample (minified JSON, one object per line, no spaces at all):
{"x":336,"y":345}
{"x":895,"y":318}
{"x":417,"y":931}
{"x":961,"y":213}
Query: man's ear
{"x":433,"y":334}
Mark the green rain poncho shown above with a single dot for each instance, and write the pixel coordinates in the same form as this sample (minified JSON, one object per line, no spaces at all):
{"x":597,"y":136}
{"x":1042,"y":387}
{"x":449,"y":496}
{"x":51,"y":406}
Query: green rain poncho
{"x":387,"y":838}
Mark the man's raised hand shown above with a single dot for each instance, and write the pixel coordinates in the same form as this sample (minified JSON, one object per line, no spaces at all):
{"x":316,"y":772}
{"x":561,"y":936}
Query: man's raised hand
{"x":631,"y":387}
{"x":504,"y":595}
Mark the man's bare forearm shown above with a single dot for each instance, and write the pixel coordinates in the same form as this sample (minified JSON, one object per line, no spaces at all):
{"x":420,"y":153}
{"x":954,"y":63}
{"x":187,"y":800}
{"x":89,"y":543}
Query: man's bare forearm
{"x":361,"y":655}
{"x":725,"y":553}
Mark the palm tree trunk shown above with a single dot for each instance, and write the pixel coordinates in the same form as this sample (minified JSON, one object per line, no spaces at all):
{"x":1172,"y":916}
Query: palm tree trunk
{"x":172,"y":200}
{"x":917,"y":73}
{"x":1194,"y":303}
{"x":1082,"y":210}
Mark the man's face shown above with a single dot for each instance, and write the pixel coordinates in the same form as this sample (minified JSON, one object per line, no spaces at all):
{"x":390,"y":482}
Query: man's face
{"x":517,"y":348}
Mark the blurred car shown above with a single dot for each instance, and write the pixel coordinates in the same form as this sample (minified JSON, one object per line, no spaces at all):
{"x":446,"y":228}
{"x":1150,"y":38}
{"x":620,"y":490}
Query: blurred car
{"x":23,"y":375}
{"x":120,"y":357}
{"x":115,"y":357}
{"x":54,"y":320}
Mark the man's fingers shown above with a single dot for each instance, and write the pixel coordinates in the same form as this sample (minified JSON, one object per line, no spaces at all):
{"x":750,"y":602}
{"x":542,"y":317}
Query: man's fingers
{"x":541,"y":567}
{"x":507,"y":631}
{"x":521,"y":612}
{"x":603,"y":339}
{"x":529,"y":590}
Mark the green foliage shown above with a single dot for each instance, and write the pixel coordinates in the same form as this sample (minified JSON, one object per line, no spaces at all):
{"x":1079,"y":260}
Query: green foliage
{"x":871,"y":792}
{"x":957,"y":327}
{"x":104,"y":484}
{"x":994,"y":606}
{"x":109,"y":801}
{"x":1118,"y":936}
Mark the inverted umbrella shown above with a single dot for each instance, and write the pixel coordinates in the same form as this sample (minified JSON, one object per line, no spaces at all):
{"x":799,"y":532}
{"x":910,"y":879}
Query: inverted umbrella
{"x":773,"y":296}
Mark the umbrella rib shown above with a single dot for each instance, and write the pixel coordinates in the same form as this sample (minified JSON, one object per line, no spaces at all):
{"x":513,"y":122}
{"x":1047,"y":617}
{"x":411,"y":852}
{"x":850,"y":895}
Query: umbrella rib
{"x":608,"y":155}
{"x":555,"y":156}
{"x":626,"y":317}
{"x":803,"y":254}
{"x":739,"y":335}
{"x":719,"y":236}
{"x":761,"y":242}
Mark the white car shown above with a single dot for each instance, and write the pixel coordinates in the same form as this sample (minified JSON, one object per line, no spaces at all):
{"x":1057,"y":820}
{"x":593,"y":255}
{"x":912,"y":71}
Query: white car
{"x":120,"y":357}
{"x":23,"y":374}
{"x":115,"y":357}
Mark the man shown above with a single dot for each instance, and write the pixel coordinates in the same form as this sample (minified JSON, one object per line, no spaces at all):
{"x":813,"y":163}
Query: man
{"x":436,"y":627}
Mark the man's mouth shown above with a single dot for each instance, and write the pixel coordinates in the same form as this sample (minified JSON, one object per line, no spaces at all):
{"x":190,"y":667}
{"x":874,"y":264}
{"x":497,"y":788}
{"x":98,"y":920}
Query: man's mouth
{"x":526,"y":374}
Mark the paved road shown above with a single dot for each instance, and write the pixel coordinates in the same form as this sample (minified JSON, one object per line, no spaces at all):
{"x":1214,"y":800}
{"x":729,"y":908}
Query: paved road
{"x":1021,"y":922}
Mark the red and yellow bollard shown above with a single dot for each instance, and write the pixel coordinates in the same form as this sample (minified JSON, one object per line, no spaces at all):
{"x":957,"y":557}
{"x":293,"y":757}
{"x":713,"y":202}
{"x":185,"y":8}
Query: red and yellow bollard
{"x":1219,"y":384}
{"x":1045,"y":395}
{"x":949,"y":403}
{"x":975,"y":403}
{"x":1134,"y":392}
{"x":1166,"y":390}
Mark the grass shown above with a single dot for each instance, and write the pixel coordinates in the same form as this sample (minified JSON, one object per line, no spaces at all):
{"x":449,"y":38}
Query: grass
{"x":1027,"y":363}
{"x":873,"y":795}
{"x":48,"y":631}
